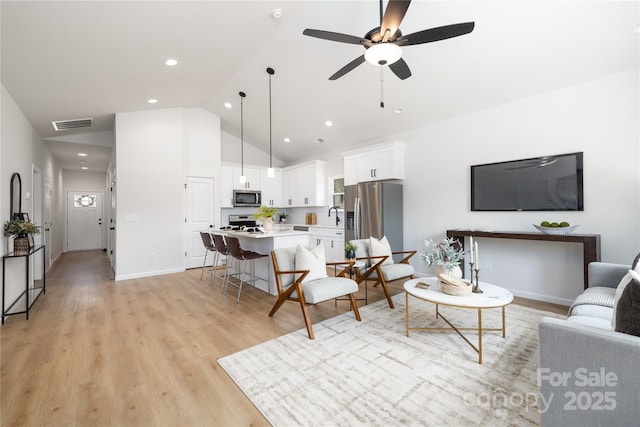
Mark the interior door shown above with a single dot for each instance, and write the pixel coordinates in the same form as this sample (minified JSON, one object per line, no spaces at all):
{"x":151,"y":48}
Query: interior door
{"x":84,"y":220}
{"x":199,"y":216}
{"x":47,"y":225}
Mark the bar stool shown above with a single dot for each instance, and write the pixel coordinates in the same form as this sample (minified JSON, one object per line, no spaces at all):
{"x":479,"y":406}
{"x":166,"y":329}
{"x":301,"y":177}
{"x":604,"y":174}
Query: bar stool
{"x":209,"y":247}
{"x":221,"y":249}
{"x":242,"y":256}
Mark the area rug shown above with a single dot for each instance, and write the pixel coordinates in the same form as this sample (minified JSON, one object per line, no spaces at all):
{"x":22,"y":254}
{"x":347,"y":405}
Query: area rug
{"x":370,"y":373}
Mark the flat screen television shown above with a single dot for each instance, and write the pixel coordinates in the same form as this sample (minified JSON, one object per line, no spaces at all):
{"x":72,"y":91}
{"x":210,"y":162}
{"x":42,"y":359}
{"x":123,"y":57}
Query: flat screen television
{"x":548,"y":183}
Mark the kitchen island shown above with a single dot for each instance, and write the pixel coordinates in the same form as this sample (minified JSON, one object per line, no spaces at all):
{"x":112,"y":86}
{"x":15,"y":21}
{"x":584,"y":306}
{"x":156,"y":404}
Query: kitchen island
{"x":264,"y":243}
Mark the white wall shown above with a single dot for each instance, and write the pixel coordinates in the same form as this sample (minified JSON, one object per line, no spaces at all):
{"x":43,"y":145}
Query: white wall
{"x":600,"y":117}
{"x":149,"y":161}
{"x":20,"y":148}
{"x":155,"y":150}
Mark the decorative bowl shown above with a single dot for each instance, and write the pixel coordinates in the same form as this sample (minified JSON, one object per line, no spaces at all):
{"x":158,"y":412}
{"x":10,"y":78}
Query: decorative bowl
{"x":556,"y":231}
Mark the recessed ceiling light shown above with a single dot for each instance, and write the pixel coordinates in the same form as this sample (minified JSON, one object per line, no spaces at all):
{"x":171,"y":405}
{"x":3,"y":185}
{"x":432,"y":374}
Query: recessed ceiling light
{"x":84,"y":168}
{"x":287,"y":140}
{"x":228,"y":104}
{"x":170,"y":62}
{"x":328,"y":123}
{"x":82,"y":154}
{"x":398,"y":110}
{"x":152,"y":101}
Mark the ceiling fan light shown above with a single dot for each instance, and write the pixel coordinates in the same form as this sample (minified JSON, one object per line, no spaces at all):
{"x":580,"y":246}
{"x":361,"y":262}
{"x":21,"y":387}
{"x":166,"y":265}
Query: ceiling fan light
{"x":383,"y":54}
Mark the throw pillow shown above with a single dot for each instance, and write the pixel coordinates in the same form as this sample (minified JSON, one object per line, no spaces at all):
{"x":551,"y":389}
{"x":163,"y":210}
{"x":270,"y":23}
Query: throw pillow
{"x":312,"y":260}
{"x":379,"y":248}
{"x":626,"y":308}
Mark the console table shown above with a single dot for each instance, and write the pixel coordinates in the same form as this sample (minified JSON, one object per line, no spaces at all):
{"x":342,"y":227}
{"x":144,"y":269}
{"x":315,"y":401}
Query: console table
{"x":31,"y":294}
{"x":590,"y":242}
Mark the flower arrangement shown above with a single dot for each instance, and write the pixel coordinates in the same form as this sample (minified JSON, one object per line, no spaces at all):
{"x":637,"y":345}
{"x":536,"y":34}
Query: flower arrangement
{"x":443,"y":253}
{"x":265,"y":212}
{"x":20,"y":228}
{"x":283,"y":216}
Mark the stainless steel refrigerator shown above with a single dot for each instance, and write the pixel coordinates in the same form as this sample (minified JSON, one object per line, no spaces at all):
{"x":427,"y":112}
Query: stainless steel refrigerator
{"x":374,"y":209}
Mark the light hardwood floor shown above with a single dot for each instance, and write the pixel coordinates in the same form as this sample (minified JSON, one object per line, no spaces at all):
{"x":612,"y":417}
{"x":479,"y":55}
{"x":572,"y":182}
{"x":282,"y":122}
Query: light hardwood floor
{"x":141,"y":352}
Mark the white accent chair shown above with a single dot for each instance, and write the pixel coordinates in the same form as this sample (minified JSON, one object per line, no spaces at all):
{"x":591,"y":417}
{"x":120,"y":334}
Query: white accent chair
{"x":292,"y":285}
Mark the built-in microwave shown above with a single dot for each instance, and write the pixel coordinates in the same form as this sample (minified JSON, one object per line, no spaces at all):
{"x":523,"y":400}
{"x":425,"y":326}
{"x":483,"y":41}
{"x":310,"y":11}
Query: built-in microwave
{"x":247,"y":198}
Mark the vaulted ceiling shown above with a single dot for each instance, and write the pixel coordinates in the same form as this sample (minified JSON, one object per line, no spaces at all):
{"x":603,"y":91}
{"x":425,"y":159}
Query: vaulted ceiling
{"x":71,"y":60}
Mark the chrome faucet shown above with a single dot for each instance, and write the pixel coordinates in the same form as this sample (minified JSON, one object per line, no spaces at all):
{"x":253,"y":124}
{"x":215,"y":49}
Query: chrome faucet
{"x":337,"y":217}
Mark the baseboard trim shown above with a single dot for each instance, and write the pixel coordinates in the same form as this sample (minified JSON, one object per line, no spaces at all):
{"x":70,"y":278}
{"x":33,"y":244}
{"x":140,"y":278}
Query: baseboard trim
{"x":148,"y":274}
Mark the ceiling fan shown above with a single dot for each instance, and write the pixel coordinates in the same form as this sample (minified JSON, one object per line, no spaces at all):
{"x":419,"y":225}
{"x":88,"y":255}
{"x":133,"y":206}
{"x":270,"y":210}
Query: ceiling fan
{"x":383,"y":44}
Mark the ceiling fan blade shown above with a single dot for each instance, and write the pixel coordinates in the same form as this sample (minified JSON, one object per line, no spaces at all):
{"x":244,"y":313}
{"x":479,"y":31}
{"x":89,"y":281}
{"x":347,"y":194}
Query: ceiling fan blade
{"x":336,"y":37}
{"x":393,"y":15}
{"x":435,"y":34}
{"x":400,"y":69}
{"x":350,"y":66}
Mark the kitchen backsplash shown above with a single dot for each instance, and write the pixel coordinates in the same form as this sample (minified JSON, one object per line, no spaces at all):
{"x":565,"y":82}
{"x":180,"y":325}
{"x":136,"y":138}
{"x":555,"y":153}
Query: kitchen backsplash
{"x":296,"y":215}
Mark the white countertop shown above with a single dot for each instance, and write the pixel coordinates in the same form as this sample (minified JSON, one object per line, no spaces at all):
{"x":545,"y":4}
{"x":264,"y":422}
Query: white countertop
{"x":265,"y":234}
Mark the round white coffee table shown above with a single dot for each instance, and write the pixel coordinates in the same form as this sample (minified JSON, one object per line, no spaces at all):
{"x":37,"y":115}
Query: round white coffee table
{"x":492,"y":297}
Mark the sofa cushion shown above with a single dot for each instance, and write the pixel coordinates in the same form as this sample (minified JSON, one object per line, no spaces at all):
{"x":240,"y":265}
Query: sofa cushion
{"x":596,"y":311}
{"x":627,"y":310}
{"x":591,"y":321}
{"x":593,"y":297}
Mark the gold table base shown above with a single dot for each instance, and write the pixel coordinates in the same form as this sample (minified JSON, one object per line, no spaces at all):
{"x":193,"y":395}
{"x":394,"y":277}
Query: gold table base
{"x":452,"y":327}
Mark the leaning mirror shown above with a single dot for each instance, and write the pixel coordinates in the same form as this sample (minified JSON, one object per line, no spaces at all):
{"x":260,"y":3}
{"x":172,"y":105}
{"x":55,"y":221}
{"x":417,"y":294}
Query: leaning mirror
{"x":15,"y":194}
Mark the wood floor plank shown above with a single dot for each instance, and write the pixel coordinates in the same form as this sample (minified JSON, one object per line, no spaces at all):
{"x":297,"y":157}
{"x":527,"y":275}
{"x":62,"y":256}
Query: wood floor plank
{"x":139,"y":352}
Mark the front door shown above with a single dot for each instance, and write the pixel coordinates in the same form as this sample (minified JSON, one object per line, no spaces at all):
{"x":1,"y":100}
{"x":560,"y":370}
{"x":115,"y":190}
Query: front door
{"x":84,"y":220}
{"x":199,"y":216}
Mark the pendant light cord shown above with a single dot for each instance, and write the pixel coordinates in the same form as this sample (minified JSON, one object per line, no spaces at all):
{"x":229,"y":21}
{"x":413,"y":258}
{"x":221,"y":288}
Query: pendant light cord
{"x":270,"y":127}
{"x":381,"y":88}
{"x":271,"y":72}
{"x":242,"y":95}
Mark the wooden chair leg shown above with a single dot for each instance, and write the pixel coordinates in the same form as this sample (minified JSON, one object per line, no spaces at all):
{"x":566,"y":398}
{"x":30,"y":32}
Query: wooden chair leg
{"x":307,"y":320}
{"x":277,"y":305}
{"x":386,"y":292}
{"x":354,"y":307}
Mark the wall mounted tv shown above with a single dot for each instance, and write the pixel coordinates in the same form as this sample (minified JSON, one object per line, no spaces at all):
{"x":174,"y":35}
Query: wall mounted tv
{"x":549,"y":183}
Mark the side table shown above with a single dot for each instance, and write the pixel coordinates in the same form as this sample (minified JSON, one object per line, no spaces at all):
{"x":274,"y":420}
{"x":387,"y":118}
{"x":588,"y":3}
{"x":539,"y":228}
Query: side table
{"x":31,"y":294}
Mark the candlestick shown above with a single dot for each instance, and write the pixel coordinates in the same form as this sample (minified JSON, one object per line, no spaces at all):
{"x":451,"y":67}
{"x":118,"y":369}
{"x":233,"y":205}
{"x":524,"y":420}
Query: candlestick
{"x":471,"y":271}
{"x":476,"y":288}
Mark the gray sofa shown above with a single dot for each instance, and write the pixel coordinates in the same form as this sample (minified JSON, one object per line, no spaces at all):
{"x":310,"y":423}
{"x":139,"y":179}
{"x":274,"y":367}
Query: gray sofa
{"x":590,"y":374}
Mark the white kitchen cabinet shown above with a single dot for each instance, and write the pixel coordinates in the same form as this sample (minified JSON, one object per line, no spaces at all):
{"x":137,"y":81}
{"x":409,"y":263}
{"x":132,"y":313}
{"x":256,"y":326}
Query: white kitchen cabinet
{"x":253,"y":178}
{"x":375,"y":163}
{"x":271,"y":188}
{"x":305,"y":184}
{"x":332,"y":240}
{"x":351,"y":170}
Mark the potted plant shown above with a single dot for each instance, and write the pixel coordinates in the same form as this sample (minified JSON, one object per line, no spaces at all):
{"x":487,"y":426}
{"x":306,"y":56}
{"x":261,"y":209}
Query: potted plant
{"x":283,"y":217}
{"x":265,"y":214}
{"x":446,"y":255}
{"x":350,"y":250}
{"x":21,"y":230}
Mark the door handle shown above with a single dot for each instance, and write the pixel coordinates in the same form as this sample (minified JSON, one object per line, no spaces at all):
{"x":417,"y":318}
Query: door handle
{"x":112,"y":228}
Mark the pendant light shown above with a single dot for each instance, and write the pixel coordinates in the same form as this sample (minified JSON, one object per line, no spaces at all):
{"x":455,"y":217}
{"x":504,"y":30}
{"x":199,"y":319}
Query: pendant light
{"x":243,"y":178}
{"x":270,"y":171}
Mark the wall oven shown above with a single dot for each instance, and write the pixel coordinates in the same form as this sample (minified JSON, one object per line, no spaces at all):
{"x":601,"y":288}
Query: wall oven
{"x":247,"y":198}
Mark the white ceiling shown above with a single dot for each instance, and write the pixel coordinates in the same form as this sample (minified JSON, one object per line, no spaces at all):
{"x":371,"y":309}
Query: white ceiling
{"x":71,"y":60}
